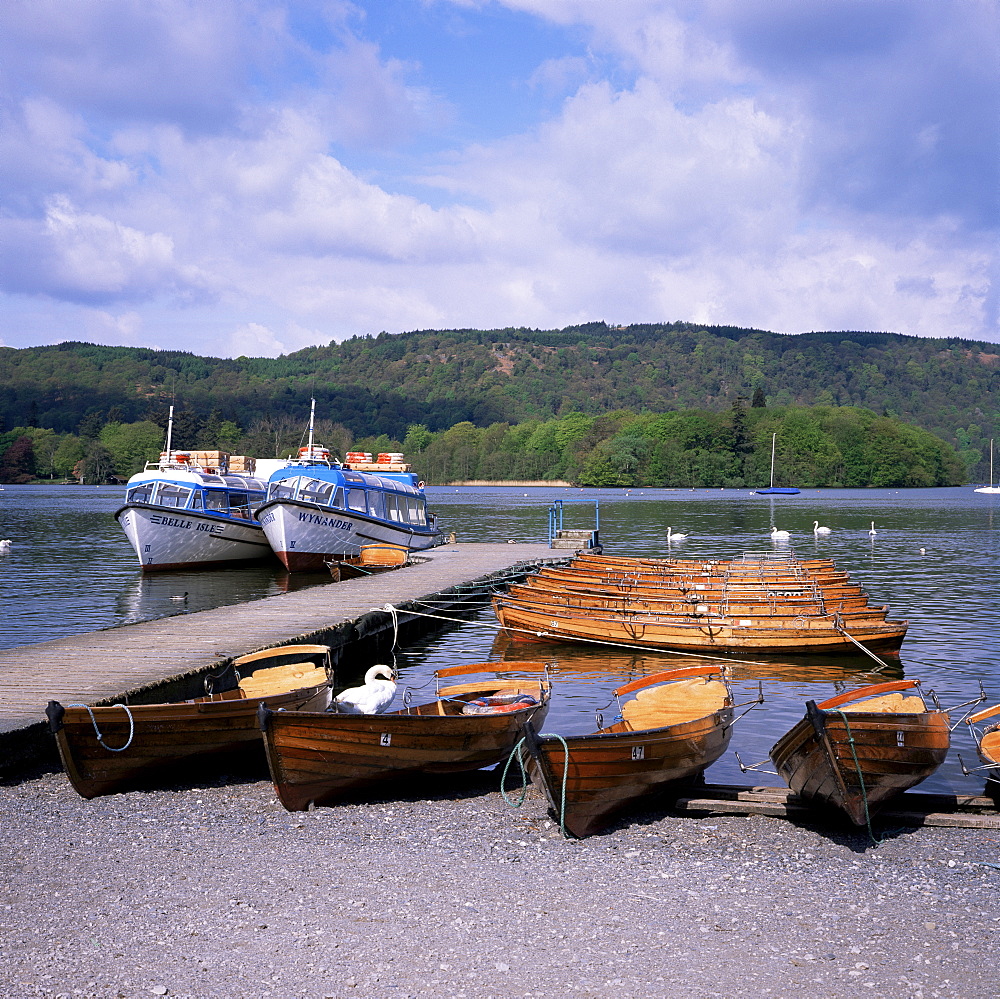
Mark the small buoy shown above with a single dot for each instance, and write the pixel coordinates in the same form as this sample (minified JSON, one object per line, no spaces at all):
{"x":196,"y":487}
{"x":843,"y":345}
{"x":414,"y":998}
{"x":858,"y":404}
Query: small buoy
{"x":923,"y":551}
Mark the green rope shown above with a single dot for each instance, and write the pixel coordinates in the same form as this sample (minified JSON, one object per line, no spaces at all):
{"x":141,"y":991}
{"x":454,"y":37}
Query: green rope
{"x":562,"y":799}
{"x":861,"y":779}
{"x":515,"y":752}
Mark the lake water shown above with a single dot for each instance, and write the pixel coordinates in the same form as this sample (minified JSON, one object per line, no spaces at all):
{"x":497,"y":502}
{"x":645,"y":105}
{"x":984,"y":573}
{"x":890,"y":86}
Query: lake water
{"x":71,"y":570}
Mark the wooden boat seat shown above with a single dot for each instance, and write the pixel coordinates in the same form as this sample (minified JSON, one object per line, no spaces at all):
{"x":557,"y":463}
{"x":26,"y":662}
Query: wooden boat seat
{"x":671,"y":703}
{"x":278,"y":679}
{"x":894,"y":703}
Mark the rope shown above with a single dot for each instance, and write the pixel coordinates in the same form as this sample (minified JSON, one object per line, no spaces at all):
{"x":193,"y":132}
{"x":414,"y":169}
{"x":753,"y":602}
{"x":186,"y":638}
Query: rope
{"x":590,"y":641}
{"x":562,"y":797}
{"x":861,"y":779}
{"x":97,"y":731}
{"x":838,"y":624}
{"x":515,"y":752}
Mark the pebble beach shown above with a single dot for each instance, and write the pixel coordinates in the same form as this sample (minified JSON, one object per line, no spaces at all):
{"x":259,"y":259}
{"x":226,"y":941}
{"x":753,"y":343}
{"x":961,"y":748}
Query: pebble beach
{"x":445,"y":890}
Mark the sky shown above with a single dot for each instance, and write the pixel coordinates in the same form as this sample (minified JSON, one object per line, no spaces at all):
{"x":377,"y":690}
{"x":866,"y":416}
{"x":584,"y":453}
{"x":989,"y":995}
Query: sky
{"x":251,"y":177}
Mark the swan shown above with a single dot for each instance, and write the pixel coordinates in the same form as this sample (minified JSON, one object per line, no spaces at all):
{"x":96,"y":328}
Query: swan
{"x":779,"y":535}
{"x":819,"y":530}
{"x":5,"y":545}
{"x":180,"y":596}
{"x":674,"y":537}
{"x":873,"y":532}
{"x":371,"y":699}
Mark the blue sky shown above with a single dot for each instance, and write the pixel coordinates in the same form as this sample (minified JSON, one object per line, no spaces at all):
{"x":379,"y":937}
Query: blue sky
{"x":256,"y":176}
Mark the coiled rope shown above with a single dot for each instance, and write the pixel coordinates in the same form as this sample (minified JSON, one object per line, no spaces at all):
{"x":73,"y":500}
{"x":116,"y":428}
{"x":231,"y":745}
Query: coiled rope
{"x":97,"y":731}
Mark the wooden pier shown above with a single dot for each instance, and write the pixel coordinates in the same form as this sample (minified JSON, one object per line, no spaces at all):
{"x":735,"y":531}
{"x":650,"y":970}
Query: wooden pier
{"x":169,"y":658}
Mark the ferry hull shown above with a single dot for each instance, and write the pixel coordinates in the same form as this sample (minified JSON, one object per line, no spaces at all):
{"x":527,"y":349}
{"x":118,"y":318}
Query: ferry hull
{"x":305,"y":537}
{"x":166,"y":539}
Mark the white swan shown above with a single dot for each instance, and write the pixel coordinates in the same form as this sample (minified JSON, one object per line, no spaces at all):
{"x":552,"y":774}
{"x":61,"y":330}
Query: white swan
{"x":779,"y":535}
{"x":371,"y":699}
{"x":5,"y":545}
{"x":819,"y":530}
{"x":873,"y":532}
{"x":674,"y":537}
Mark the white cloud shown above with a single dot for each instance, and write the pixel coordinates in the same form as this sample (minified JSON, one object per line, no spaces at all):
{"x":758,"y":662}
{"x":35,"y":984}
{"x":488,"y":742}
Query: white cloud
{"x":233,"y":186}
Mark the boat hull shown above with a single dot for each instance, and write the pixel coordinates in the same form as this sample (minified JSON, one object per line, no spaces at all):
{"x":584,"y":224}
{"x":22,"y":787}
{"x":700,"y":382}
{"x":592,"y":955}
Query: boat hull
{"x":160,"y":737}
{"x":166,"y":539}
{"x":650,"y":630}
{"x":612,"y":770}
{"x":306,"y":536}
{"x":854,"y":766}
{"x":316,"y":758}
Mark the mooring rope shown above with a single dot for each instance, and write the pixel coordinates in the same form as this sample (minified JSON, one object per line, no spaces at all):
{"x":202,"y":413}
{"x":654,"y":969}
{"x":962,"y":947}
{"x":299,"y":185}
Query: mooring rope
{"x":515,"y":752}
{"x":838,"y":624}
{"x":589,"y":641}
{"x":97,"y":731}
{"x":861,"y":779}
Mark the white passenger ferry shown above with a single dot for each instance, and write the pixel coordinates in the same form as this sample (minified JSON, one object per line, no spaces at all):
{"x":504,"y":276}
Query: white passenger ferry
{"x":318,"y":509}
{"x":190,"y":510}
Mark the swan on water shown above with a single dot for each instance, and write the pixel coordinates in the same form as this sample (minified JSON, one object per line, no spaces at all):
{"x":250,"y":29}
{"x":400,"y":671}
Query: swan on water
{"x":371,"y":699}
{"x":873,"y":532}
{"x":776,"y":534}
{"x":180,"y":596}
{"x":819,"y":530}
{"x":5,"y":545}
{"x":674,"y":537}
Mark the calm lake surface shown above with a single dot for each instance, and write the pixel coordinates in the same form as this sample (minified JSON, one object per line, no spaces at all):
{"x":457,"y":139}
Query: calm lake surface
{"x":70,"y":570}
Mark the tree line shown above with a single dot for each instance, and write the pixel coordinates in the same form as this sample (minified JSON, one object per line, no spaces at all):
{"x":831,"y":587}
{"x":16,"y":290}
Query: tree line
{"x":382,"y":385}
{"x":817,"y":446}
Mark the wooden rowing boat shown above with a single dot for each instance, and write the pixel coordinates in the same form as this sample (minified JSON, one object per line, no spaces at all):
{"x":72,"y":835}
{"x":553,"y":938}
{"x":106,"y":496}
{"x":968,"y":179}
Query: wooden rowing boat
{"x":988,"y":745}
{"x":372,"y":560}
{"x":679,"y":723}
{"x":770,"y":603}
{"x":316,"y":757}
{"x":763,"y":633}
{"x":855,"y":751}
{"x":118,"y":747}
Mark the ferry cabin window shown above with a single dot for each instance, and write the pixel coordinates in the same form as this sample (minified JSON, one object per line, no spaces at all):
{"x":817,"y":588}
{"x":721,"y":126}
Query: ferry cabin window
{"x":167,"y":494}
{"x":216,"y":501}
{"x":196,"y":501}
{"x":376,"y":508}
{"x":285,"y":489}
{"x":338,"y":498}
{"x":315,"y":491}
{"x":142,"y":493}
{"x":239,"y":505}
{"x":415,"y":508}
{"x":356,"y":500}
{"x":391,"y":509}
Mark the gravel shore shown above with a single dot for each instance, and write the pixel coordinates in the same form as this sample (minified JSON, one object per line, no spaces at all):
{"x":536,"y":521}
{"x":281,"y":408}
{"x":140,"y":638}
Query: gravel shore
{"x":216,"y":890}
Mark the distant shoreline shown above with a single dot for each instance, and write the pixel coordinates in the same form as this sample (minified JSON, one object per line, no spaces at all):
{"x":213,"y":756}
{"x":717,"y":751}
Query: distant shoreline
{"x":554,"y":483}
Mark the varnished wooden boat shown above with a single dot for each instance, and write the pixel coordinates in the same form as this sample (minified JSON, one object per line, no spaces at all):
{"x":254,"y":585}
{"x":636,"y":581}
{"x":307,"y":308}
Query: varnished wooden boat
{"x":988,"y":745}
{"x":105,"y":749}
{"x":764,"y":633}
{"x":742,"y":603}
{"x":316,"y":757}
{"x":855,"y":751}
{"x":679,"y":723}
{"x":372,"y":560}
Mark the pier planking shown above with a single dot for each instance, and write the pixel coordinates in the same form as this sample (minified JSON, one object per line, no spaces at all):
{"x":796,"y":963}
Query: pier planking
{"x":170,"y":654}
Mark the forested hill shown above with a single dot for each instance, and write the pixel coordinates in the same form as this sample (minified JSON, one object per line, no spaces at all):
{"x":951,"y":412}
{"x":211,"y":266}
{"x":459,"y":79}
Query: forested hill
{"x":383,"y":384}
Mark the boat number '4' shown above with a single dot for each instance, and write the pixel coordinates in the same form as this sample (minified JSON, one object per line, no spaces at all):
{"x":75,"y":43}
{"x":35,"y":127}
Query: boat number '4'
{"x":638,"y":752}
{"x":385,"y":739}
